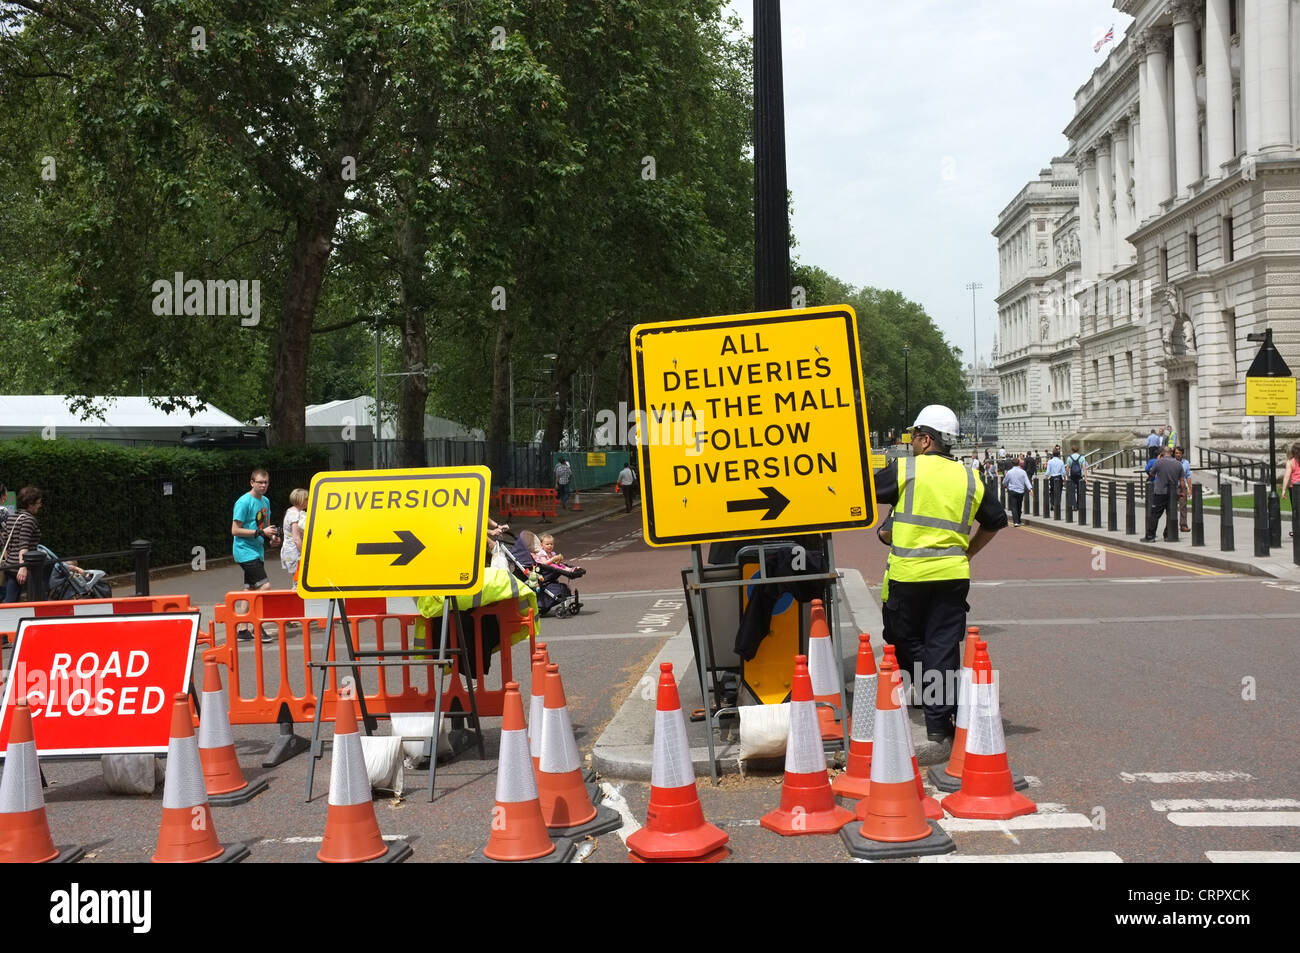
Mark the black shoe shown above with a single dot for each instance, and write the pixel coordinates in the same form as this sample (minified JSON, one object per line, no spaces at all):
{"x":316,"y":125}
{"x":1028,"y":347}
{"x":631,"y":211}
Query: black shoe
{"x":1148,"y":539}
{"x":245,"y":635}
{"x":940,"y":735}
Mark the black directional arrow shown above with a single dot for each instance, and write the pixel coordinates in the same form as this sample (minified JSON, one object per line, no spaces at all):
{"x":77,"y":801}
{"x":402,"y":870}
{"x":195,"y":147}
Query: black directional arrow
{"x":405,"y":551}
{"x":772,"y":500}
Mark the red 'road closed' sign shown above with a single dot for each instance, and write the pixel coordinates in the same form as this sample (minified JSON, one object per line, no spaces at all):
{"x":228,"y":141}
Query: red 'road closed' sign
{"x":100,"y":684}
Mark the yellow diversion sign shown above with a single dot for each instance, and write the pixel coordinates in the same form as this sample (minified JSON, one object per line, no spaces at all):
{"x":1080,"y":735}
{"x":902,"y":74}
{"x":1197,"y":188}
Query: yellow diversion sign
{"x":1270,"y":397}
{"x":751,"y":425}
{"x":395,"y":532}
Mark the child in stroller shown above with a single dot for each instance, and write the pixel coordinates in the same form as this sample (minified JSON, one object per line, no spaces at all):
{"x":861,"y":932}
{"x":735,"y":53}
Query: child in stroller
{"x":70,"y":581}
{"x":552,"y":593}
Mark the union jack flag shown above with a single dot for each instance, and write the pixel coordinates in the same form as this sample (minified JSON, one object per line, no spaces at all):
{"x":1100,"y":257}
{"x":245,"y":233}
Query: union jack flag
{"x":1110,"y":35}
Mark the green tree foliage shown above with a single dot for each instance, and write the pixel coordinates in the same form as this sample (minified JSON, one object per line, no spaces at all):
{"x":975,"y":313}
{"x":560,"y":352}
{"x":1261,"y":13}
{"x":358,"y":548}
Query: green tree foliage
{"x":886,"y":321}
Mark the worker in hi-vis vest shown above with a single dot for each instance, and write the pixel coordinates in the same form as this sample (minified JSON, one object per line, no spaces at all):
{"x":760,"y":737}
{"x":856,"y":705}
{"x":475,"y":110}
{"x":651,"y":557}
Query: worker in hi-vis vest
{"x":936,"y":500}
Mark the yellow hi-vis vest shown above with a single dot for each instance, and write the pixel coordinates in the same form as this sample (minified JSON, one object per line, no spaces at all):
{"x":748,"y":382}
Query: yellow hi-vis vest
{"x":937,"y":500}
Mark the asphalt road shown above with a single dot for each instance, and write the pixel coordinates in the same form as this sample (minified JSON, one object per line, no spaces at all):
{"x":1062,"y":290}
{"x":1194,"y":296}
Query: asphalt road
{"x":1150,"y":703}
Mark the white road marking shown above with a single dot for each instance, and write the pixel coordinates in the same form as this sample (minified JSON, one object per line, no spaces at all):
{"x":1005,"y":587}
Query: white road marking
{"x":1029,"y":822}
{"x":317,"y":839}
{"x":1061,"y":857}
{"x":659,"y":634}
{"x":1184,"y":777}
{"x":1235,"y":819}
{"x":1253,"y":856}
{"x":1224,"y":804}
{"x":614,"y":798}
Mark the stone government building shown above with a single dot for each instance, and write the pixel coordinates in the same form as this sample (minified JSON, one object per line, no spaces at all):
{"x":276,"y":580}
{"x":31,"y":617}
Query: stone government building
{"x":1133,"y":268}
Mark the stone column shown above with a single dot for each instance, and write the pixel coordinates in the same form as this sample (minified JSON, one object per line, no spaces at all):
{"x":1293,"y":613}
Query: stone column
{"x":1119,"y":136}
{"x":1106,"y":224}
{"x":1218,"y":87}
{"x":1155,"y":120}
{"x":1274,"y":75}
{"x":1187,"y":140}
{"x":1250,"y":74}
{"x":1088,"y":238}
{"x":1136,"y":158}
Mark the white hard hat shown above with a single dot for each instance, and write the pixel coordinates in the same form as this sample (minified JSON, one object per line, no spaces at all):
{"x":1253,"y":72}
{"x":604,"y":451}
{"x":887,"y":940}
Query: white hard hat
{"x":940,"y":421}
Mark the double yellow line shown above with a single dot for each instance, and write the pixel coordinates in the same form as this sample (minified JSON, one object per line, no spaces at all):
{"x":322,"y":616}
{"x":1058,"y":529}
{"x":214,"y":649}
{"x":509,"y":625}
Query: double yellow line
{"x":1156,"y":560}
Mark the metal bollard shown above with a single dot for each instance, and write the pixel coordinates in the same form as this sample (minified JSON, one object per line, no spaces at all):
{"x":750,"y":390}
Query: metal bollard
{"x":1130,"y":510}
{"x":1294,"y":490}
{"x":1056,"y":499}
{"x":1082,"y":503}
{"x":1171,"y":515}
{"x":1096,"y":504}
{"x":1261,"y":520}
{"x":34,"y":562}
{"x":1037,"y":491}
{"x":1198,"y":516}
{"x":1069,"y":503}
{"x":1112,"y":517}
{"x":140,"y":553}
{"x":1226,"y":541}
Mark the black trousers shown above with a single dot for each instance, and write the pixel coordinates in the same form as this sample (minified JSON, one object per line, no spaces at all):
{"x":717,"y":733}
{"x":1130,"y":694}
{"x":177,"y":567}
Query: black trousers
{"x":927,"y":621}
{"x":1054,"y":493}
{"x":627,"y":499}
{"x":1159,"y":504}
{"x":1075,"y":487}
{"x":1017,"y":501}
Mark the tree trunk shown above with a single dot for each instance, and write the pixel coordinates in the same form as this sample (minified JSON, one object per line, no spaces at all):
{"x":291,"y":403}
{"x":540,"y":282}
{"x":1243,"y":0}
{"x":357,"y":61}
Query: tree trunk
{"x":413,"y":394}
{"x":311,"y":251}
{"x":499,"y":419}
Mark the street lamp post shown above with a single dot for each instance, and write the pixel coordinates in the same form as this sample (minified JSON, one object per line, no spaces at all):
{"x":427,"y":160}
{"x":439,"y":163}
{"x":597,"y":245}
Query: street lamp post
{"x":973,"y":287}
{"x":907,"y":386}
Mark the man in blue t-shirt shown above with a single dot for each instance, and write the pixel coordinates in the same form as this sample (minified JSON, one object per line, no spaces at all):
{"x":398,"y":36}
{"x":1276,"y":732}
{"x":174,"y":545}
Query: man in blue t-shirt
{"x":251,"y":528}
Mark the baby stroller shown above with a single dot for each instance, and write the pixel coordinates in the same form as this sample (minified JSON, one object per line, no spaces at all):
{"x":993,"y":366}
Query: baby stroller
{"x":552,"y":593}
{"x":67,"y":581}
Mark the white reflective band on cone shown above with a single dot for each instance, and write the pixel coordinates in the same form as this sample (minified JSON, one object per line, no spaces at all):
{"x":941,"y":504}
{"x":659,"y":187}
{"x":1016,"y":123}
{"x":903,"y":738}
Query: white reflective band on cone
{"x":515,"y":784}
{"x":20,"y":788}
{"x":964,"y":682}
{"x":985,"y":733}
{"x":559,"y":750}
{"x":536,"y":706}
{"x":349,"y":781}
{"x":184,"y":786}
{"x":891,"y":755}
{"x":803,"y":748}
{"x":672,"y":766}
{"x":821,"y":667}
{"x":214,"y":731}
{"x":864,"y":707}
{"x":907,"y":722}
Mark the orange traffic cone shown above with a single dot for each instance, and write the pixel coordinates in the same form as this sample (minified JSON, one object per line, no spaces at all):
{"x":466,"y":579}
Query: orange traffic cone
{"x":24,"y":828}
{"x":949,"y":779}
{"x":855,"y":782}
{"x":567,"y":806}
{"x":928,"y":804}
{"x":536,"y":704}
{"x":821,"y":666}
{"x":675,"y":829}
{"x":987,"y":790}
{"x":895,"y":824}
{"x":351,"y":828}
{"x":577,"y":502}
{"x":807,"y":804}
{"x":187,"y":834}
{"x":221,"y":773}
{"x":518,"y":831}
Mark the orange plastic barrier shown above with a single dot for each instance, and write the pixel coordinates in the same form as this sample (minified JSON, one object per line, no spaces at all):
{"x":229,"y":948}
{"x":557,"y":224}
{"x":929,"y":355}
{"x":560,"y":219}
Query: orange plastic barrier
{"x":377,"y":624}
{"x":526,"y":502}
{"x":126,"y":605}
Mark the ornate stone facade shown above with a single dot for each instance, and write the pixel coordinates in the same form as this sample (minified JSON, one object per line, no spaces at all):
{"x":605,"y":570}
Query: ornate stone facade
{"x":1188,"y":224}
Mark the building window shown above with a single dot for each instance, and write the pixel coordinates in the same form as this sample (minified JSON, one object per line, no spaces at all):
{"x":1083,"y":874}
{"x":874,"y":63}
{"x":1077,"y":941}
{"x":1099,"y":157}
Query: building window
{"x":1193,"y":253}
{"x":1227,"y":239}
{"x":1132,"y":378}
{"x":1042,"y":225}
{"x":1164,"y":264}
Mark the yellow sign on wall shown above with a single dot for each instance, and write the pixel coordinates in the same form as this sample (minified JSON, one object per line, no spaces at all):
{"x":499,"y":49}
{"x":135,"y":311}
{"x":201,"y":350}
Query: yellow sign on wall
{"x":395,"y":532}
{"x":1270,"y":397}
{"x":751,"y":425}
{"x":595,"y":459}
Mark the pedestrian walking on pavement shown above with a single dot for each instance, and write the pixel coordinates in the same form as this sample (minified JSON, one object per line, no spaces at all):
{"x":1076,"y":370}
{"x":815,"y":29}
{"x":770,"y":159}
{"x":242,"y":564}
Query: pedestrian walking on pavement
{"x":936,"y":502}
{"x":563,"y":476}
{"x":1167,"y":474}
{"x":252,"y":529}
{"x":625,"y":480}
{"x":1017,"y":483}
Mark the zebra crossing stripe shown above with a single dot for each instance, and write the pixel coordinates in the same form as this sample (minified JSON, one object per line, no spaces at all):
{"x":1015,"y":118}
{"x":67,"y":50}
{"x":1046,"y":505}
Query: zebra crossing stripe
{"x":1233,"y":818}
{"x":1253,"y":856}
{"x":1224,"y":804}
{"x":1026,"y":822}
{"x":1184,"y":777}
{"x":1060,"y":857}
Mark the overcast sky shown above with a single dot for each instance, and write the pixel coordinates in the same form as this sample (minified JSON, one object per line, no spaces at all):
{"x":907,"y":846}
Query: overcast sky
{"x":911,"y":124}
